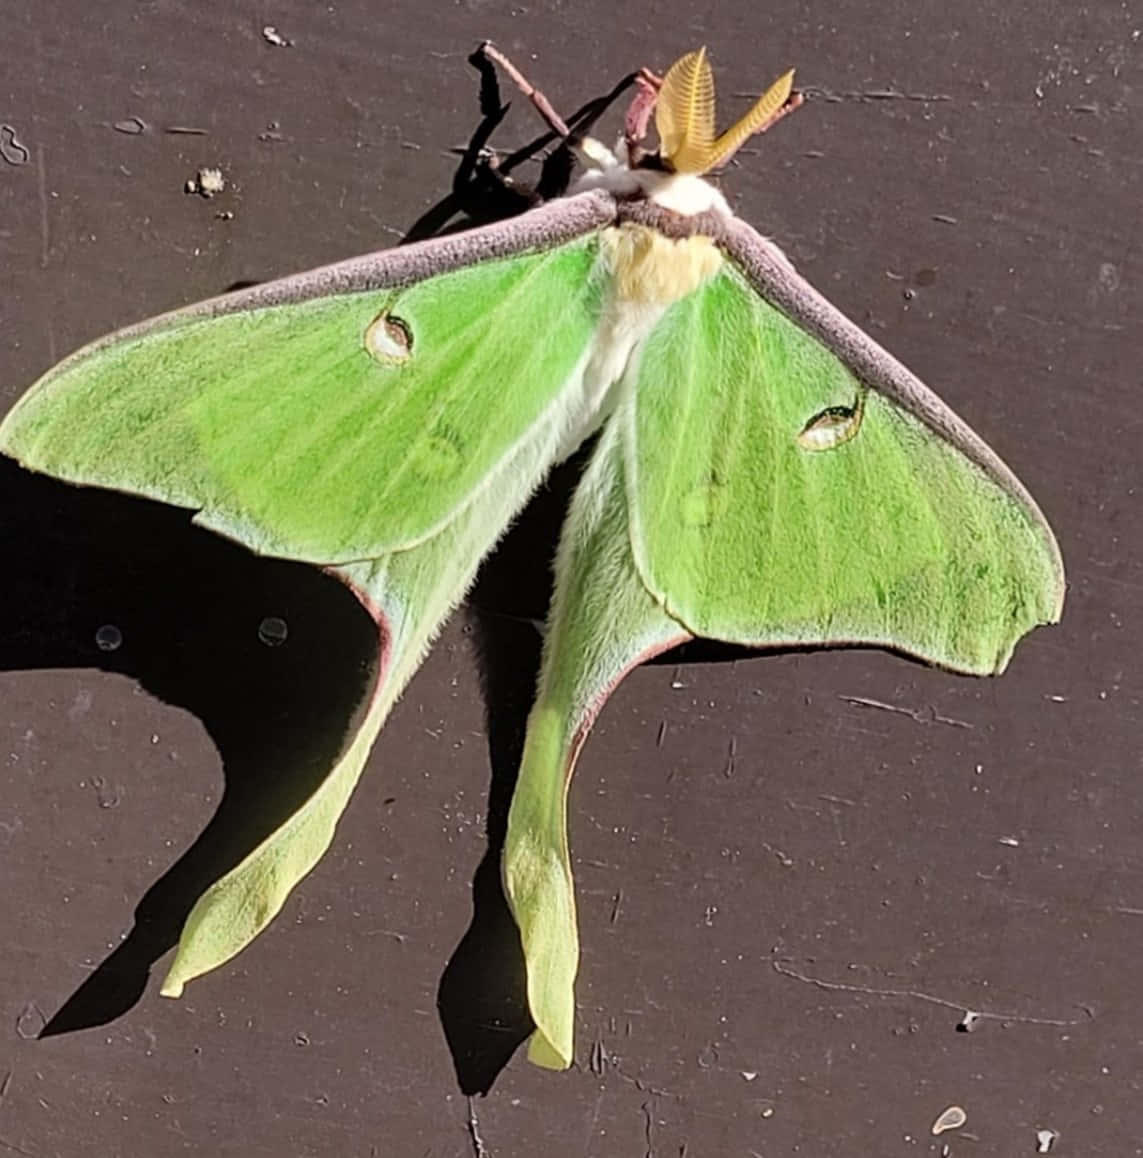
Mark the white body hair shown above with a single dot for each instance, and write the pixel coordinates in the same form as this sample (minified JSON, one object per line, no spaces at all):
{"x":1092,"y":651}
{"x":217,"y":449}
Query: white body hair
{"x":683,"y":193}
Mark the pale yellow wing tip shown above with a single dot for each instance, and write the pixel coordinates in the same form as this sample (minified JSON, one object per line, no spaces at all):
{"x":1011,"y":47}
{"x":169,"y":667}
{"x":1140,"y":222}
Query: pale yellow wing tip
{"x":171,"y":987}
{"x":542,"y":1052}
{"x":179,"y":974}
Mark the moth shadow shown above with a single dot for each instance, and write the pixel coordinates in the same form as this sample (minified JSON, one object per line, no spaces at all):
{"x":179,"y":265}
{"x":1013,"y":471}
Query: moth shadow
{"x":482,"y":997}
{"x":187,"y":607}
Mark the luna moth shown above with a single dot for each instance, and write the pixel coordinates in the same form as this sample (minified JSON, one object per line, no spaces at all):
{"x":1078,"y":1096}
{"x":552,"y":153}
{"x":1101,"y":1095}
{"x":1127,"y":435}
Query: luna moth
{"x":763,"y":472}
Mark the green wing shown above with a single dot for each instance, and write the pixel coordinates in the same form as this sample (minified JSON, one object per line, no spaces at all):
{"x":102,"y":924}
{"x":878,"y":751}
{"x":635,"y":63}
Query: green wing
{"x":777,"y":499}
{"x":751,"y":487}
{"x":270,"y":415}
{"x":602,"y":623}
{"x":410,"y":593}
{"x":331,"y":428}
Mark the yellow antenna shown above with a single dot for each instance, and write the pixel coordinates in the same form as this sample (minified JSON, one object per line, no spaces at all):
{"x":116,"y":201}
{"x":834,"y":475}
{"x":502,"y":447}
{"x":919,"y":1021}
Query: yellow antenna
{"x":684,"y":116}
{"x":684,"y":113}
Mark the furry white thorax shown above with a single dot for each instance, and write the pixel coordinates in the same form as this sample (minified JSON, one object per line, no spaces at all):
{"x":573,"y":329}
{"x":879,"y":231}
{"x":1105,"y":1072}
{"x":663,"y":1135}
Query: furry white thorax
{"x":622,"y":326}
{"x":643,"y":280}
{"x":684,"y":193}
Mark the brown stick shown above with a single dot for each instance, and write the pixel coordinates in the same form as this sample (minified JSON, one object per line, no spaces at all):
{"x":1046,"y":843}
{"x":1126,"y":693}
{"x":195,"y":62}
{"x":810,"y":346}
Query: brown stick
{"x":541,"y":103}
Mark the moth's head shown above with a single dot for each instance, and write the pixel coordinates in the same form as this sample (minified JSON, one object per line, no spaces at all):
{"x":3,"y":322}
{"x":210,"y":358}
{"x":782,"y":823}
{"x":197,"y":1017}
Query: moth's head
{"x":684,"y":117}
{"x":683,"y":105}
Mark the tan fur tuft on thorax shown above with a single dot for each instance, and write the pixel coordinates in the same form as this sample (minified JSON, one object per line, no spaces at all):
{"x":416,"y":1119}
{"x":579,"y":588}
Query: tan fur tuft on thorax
{"x":648,"y":267}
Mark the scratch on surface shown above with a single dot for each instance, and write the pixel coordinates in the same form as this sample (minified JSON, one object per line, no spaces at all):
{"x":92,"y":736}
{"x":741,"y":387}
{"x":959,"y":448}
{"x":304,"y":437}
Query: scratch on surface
{"x":616,"y":905}
{"x":787,"y":861}
{"x":866,"y":96}
{"x":662,"y":734}
{"x":932,"y":716}
{"x":5,"y":1085}
{"x":594,"y":1122}
{"x":642,"y":1086}
{"x":13,"y":1148}
{"x":478,"y":1147}
{"x":731,"y":754}
{"x":400,"y":938}
{"x":649,"y":1122}
{"x":42,"y":170}
{"x":834,"y":814}
{"x":786,"y":970}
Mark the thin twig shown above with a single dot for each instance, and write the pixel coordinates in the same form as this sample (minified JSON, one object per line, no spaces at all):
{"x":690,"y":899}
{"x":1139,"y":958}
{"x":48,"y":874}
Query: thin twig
{"x":540,"y":102}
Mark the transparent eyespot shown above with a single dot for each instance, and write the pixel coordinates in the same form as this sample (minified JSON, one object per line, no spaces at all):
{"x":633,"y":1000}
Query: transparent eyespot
{"x":833,"y":426}
{"x":389,"y":339}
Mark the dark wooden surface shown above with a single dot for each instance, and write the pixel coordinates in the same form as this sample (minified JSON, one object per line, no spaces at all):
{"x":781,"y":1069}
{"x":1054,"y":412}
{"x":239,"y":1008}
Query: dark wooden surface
{"x":778,"y":947}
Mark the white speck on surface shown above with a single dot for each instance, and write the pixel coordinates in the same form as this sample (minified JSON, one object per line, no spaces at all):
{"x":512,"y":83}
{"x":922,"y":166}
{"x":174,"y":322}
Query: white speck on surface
{"x":1044,"y":1140}
{"x":206,"y":183}
{"x":1108,"y":281}
{"x":951,"y":1119}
